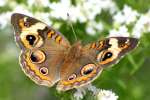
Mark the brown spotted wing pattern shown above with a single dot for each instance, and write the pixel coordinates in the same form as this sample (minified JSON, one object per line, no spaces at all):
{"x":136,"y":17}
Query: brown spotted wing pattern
{"x":48,"y":58}
{"x":42,"y":49}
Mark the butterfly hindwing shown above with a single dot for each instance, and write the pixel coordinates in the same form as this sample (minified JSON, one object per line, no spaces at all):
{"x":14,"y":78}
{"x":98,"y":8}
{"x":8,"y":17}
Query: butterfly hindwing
{"x":78,"y":69}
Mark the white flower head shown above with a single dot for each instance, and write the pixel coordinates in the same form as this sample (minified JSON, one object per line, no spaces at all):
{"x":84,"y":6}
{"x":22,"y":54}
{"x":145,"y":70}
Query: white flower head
{"x":45,"y":17}
{"x":79,"y":94}
{"x":106,"y":95}
{"x":22,"y":9}
{"x":122,"y":31}
{"x":83,"y":11}
{"x":98,"y":94}
{"x":127,"y":16}
{"x":142,"y":25}
{"x":3,"y":2}
{"x":30,"y":2}
{"x":4,"y":19}
{"x":93,"y":27}
{"x":93,"y":89}
{"x":43,"y":3}
{"x":60,"y":10}
{"x":90,"y":31}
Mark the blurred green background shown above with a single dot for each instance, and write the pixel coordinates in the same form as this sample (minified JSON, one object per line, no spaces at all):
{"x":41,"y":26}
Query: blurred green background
{"x":129,"y":79}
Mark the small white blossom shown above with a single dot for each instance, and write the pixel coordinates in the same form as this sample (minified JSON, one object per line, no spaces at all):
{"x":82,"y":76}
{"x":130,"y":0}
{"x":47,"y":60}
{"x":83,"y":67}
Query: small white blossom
{"x":127,"y":16}
{"x":122,"y":31}
{"x":85,"y":10}
{"x":4,"y":19}
{"x":79,"y":94}
{"x":106,"y":95}
{"x":60,"y":10}
{"x":22,"y":9}
{"x":93,"y":27}
{"x":43,"y":3}
{"x":45,"y":17}
{"x":30,"y":2}
{"x":92,"y":88}
{"x":3,"y":2}
{"x":98,"y":94}
{"x":142,"y":25}
{"x":90,"y":31}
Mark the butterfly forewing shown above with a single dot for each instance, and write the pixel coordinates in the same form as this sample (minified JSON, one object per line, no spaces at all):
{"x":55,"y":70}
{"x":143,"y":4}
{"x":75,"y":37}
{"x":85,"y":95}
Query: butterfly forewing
{"x":110,"y":50}
{"x":31,"y":33}
{"x":43,"y":49}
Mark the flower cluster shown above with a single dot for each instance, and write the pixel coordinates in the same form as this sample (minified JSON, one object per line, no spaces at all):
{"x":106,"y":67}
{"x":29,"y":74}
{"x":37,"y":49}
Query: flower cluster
{"x":106,"y":95}
{"x":84,"y":11}
{"x":98,"y":94}
{"x":139,"y":23}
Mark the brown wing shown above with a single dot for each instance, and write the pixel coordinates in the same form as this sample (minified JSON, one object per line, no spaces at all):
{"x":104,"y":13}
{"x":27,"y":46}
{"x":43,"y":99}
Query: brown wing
{"x":108,"y":51}
{"x":31,"y":33}
{"x":43,"y":49}
{"x":84,"y":64}
{"x":78,"y":69}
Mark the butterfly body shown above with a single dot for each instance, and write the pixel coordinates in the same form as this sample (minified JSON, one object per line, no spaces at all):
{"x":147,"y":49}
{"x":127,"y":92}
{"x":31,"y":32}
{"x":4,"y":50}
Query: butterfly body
{"x":48,"y":58}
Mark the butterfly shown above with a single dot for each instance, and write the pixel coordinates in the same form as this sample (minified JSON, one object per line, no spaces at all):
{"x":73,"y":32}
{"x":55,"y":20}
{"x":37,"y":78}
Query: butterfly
{"x":48,"y":58}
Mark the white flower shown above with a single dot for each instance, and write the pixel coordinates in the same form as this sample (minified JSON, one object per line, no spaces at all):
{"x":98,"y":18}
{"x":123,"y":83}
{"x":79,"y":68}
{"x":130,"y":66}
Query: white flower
{"x":30,"y":2}
{"x":122,"y":31}
{"x":79,"y":94}
{"x":119,"y":18}
{"x":93,"y":89}
{"x":127,"y":16}
{"x":93,"y":27}
{"x":142,"y":25}
{"x":3,"y":2}
{"x":106,"y":95}
{"x":90,"y":30}
{"x":22,"y":9}
{"x":98,"y":94}
{"x":4,"y":19}
{"x":84,"y":11}
{"x":99,"y":26}
{"x":43,"y":16}
{"x":108,"y":5}
{"x":44,"y":3}
{"x":60,"y":10}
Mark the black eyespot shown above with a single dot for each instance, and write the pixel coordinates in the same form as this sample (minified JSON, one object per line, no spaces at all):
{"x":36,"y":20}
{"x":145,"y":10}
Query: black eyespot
{"x":44,"y":70}
{"x":34,"y":58}
{"x":87,"y":69}
{"x":73,"y":76}
{"x":107,"y":55}
{"x":26,"y":24}
{"x":37,"y":56}
{"x":31,"y":39}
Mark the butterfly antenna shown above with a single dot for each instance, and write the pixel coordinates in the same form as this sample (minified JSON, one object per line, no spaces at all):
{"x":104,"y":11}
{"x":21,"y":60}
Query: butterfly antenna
{"x":72,"y":27}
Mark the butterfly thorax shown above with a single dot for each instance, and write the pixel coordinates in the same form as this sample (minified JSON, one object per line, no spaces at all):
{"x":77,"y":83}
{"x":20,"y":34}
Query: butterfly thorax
{"x":75,"y":51}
